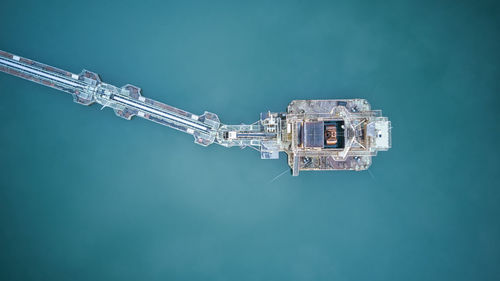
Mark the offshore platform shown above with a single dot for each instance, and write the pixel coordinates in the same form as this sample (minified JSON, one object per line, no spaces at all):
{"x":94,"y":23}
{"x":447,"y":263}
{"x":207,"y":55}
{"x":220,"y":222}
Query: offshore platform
{"x":340,"y":134}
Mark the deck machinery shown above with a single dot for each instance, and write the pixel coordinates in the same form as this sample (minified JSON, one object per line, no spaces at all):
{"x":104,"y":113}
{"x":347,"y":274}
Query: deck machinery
{"x":316,"y":135}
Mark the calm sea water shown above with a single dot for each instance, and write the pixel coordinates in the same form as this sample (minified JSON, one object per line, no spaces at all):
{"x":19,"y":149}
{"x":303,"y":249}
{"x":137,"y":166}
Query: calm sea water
{"x":85,"y":195}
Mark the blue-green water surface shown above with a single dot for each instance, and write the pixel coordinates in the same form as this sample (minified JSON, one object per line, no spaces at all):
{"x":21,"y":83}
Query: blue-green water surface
{"x":85,"y":195}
